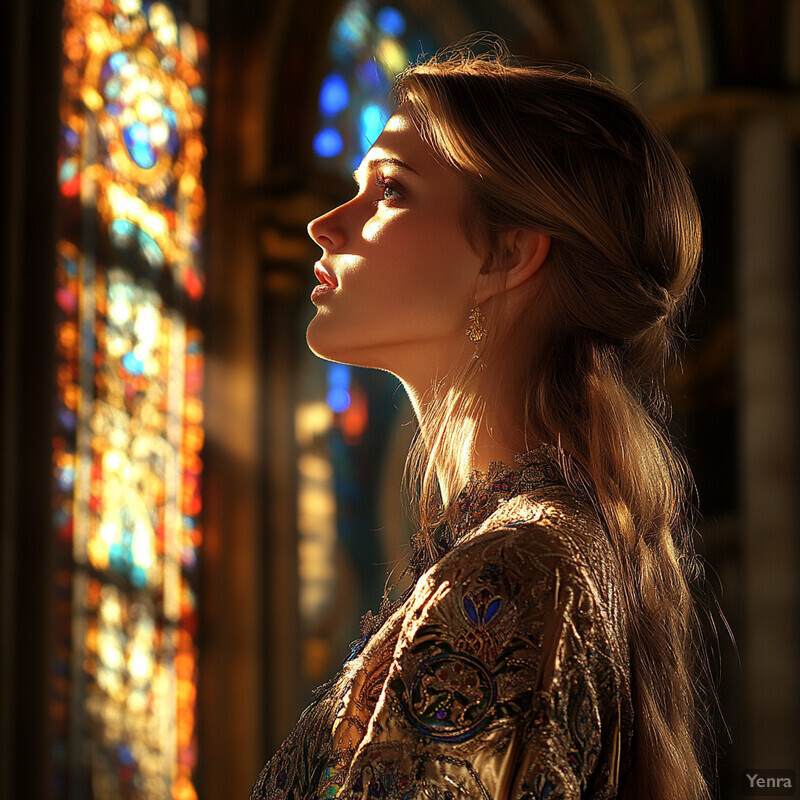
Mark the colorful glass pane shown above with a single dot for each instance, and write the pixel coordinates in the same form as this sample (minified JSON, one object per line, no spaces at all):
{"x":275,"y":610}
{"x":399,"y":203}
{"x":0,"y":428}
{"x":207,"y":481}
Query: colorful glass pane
{"x":369,"y":44}
{"x":129,"y":414}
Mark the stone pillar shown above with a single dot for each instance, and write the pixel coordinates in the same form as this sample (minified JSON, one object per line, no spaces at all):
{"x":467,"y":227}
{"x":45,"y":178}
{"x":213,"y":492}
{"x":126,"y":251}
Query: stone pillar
{"x":766,"y":247}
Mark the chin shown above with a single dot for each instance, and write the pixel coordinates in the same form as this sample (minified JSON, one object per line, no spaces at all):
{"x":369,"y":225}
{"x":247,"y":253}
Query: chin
{"x":331,"y":348}
{"x":324,"y":345}
{"x":317,"y":343}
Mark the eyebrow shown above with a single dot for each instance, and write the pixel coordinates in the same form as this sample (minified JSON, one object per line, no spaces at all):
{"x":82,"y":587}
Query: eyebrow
{"x":388,"y":160}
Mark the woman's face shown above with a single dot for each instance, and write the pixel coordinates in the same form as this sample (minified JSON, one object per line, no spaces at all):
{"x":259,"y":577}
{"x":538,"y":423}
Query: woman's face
{"x":397,"y":275}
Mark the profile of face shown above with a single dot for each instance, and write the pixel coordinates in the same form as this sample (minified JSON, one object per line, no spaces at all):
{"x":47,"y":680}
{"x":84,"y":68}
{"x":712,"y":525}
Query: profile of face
{"x":397,"y":274}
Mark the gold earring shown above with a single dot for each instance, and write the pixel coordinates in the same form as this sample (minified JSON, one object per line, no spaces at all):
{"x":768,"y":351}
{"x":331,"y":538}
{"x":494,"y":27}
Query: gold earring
{"x":476,"y":330}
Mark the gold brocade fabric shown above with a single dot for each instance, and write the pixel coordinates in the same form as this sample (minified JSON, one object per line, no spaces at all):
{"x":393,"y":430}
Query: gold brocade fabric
{"x":504,"y":673}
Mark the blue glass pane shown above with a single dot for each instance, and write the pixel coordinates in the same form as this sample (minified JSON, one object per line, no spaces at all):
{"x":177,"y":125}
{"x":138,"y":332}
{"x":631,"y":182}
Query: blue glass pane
{"x":391,"y":21}
{"x":372,"y":122}
{"x":338,"y":375}
{"x":138,"y":133}
{"x":65,"y":478}
{"x":369,"y":76}
{"x":118,"y":61}
{"x":113,"y":88}
{"x":173,"y":142}
{"x":334,"y":95}
{"x":132,"y":364}
{"x":137,"y":140}
{"x":68,"y":170}
{"x":138,"y":576}
{"x":328,"y":143}
{"x":338,"y":400}
{"x":150,"y":250}
{"x":119,"y":558}
{"x":66,"y":419}
{"x":122,"y":232}
{"x":71,"y":138}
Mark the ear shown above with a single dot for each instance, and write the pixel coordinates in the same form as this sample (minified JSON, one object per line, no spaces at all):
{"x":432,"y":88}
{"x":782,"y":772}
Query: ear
{"x":524,"y":251}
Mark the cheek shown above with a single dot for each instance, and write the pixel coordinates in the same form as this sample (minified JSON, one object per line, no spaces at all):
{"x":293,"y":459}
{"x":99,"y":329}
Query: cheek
{"x":371,"y":232}
{"x":448,"y":268}
{"x":429,"y":269}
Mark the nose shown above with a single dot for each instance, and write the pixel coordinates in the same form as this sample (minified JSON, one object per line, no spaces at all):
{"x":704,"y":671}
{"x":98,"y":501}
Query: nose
{"x":327,"y":231}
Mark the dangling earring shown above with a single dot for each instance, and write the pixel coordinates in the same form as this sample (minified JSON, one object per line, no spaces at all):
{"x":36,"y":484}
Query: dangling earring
{"x":476,"y":330}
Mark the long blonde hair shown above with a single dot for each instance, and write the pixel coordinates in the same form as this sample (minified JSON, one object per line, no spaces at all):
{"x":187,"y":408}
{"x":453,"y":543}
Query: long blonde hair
{"x":570,"y":155}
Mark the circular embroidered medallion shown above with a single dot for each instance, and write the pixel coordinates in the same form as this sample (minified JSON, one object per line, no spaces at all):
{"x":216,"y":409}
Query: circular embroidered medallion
{"x":450,"y":697}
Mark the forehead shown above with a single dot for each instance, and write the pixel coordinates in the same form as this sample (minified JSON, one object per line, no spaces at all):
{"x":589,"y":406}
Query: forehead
{"x":401,"y":140}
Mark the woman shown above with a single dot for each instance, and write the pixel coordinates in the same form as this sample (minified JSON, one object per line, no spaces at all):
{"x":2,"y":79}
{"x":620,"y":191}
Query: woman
{"x":519,"y":251}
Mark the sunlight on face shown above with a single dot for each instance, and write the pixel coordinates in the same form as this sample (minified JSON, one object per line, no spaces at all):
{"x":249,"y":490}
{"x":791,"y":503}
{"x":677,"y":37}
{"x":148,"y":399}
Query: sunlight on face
{"x":398,"y":272}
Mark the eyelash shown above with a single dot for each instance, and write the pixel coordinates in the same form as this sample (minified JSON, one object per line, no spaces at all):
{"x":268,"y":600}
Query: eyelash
{"x":386,"y":183}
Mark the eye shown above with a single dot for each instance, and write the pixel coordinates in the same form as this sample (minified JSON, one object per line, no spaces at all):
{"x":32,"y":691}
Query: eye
{"x":391,"y":190}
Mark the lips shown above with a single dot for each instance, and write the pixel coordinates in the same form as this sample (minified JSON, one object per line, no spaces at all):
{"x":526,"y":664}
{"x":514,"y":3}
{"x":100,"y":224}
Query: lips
{"x":324,"y":276}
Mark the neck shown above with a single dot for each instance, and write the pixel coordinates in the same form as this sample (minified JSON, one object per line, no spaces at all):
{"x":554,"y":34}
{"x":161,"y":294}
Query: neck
{"x":497,"y":437}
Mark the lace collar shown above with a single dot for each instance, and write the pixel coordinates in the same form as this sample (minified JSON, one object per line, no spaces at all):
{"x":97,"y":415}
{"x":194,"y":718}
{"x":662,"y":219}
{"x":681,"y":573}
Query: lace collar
{"x":487,"y":489}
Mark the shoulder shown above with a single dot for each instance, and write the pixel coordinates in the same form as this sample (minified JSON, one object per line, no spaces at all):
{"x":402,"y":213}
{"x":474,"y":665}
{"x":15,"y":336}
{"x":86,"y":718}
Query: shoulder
{"x":554,"y":523}
{"x":531,"y":536}
{"x":540,"y":561}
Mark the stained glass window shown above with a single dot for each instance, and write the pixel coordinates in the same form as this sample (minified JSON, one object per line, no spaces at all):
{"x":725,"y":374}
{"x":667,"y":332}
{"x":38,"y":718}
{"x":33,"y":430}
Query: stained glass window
{"x":129,"y":413}
{"x":369,"y":44}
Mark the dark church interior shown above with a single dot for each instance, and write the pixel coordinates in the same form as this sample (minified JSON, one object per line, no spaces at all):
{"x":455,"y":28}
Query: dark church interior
{"x":196,"y":510}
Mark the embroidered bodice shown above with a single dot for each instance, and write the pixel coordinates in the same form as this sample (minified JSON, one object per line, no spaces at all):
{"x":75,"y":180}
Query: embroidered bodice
{"x":502,"y":673}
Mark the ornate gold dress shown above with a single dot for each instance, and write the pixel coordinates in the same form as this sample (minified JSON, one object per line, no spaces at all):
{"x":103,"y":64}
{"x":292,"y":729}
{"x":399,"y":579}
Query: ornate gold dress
{"x":503,"y":673}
